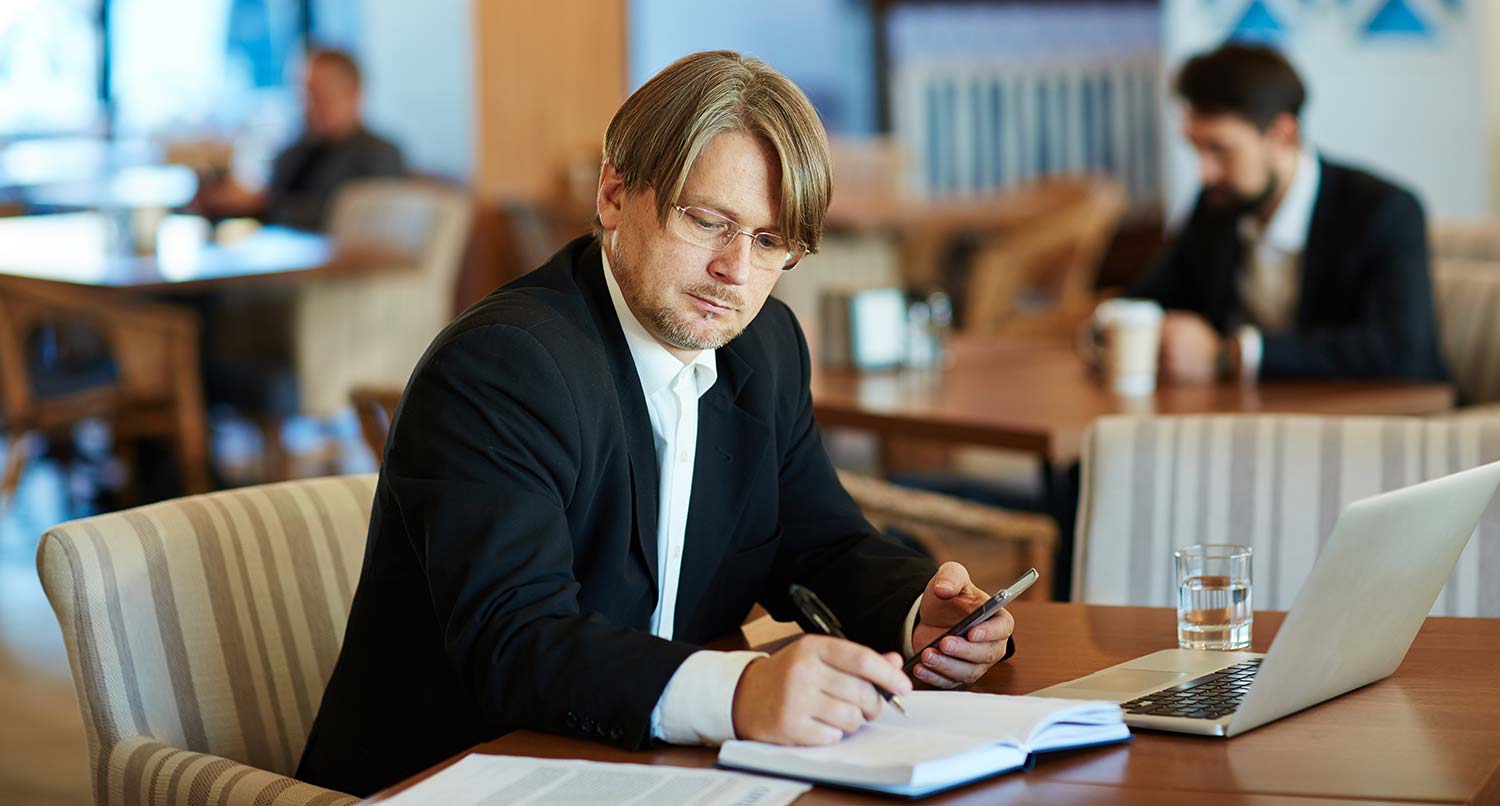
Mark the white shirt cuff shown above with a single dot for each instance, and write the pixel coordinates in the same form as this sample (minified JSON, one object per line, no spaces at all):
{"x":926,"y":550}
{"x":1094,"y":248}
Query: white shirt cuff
{"x":906,"y":629}
{"x":697,"y":706}
{"x":1250,"y":352}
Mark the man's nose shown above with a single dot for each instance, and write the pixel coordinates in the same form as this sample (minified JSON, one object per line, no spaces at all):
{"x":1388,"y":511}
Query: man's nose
{"x":1210,"y":172}
{"x":732,"y":263}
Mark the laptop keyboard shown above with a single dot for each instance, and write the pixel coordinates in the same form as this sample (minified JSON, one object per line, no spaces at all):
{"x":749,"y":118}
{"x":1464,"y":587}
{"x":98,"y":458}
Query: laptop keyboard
{"x":1209,"y":697}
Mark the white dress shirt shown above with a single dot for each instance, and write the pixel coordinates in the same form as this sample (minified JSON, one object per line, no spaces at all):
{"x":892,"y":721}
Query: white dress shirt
{"x":1271,"y":284}
{"x":696,"y":706}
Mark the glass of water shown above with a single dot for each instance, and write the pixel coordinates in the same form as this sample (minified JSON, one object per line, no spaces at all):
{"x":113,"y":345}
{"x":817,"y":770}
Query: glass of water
{"x":1213,"y":597}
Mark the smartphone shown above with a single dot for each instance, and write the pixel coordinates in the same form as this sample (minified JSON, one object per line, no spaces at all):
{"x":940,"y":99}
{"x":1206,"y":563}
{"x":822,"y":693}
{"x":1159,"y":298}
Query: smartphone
{"x":990,"y":607}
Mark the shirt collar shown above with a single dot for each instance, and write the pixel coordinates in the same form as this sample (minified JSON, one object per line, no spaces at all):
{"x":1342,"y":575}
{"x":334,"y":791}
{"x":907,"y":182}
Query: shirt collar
{"x":1288,"y":227}
{"x":656,"y":365}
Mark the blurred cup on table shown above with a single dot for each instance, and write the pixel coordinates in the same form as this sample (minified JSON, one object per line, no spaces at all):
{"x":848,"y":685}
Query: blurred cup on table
{"x":179,"y":241}
{"x":144,"y":222}
{"x":1127,"y":337}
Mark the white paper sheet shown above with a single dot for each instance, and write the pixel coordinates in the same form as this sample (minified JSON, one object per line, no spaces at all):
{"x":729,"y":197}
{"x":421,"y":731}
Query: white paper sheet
{"x":483,"y":780}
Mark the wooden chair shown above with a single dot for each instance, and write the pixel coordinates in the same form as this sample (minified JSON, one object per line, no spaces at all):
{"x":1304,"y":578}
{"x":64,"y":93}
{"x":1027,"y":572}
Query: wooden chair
{"x":869,"y":166}
{"x":1040,"y":279}
{"x":994,"y":544}
{"x":510,"y":237}
{"x":155,"y":390}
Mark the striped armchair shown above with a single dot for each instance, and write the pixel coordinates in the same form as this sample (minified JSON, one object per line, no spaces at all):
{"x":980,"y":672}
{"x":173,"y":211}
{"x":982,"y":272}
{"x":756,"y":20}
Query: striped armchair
{"x":1273,"y":482}
{"x":201,"y":633}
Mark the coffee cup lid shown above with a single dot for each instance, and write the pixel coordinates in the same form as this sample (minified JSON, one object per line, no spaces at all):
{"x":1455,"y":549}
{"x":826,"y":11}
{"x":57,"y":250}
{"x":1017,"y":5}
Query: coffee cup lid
{"x":1129,"y":311}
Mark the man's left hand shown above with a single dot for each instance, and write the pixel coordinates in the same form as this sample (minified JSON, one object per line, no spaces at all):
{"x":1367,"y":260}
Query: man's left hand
{"x":959,"y":660}
{"x":1189,"y":348}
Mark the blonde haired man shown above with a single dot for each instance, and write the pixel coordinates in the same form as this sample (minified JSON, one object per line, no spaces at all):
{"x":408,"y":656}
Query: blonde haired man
{"x":603,"y":465}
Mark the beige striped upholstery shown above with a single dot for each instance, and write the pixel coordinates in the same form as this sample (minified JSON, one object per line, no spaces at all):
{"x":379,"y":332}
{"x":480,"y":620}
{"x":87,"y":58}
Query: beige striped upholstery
{"x":1466,"y":298}
{"x":1276,"y":483}
{"x":201,"y":633}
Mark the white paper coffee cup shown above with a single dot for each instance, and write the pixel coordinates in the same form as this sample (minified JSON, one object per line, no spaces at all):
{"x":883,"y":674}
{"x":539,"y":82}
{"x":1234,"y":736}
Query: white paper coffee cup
{"x":1132,"y":339}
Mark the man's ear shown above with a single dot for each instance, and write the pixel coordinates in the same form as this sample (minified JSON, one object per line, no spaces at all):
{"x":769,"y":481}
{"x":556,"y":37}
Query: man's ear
{"x":1285,"y":130}
{"x":611,"y":197}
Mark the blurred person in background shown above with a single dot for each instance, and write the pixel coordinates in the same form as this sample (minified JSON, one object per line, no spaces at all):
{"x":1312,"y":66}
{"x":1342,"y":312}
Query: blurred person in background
{"x":1290,"y":265}
{"x":335,"y":147}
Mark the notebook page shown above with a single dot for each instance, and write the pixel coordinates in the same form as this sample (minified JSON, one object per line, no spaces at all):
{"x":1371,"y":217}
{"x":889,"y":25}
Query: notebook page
{"x":996,"y":717}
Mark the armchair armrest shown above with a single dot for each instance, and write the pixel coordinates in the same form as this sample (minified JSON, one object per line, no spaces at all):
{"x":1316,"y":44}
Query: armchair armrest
{"x":163,"y":775}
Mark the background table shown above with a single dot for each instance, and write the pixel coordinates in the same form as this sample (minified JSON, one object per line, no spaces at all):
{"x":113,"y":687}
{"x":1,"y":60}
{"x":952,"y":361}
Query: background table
{"x":1430,"y":732}
{"x":93,"y":249}
{"x":1040,"y":398}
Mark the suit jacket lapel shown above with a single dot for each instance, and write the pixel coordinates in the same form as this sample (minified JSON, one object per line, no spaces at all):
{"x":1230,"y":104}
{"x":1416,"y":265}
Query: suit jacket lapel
{"x":1315,"y":253}
{"x":732,"y":445}
{"x":1224,"y":306}
{"x":636,"y":425}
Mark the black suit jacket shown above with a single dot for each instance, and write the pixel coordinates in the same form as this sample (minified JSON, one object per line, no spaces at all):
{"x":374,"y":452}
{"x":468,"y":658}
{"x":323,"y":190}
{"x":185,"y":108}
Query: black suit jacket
{"x":1365,"y":309}
{"x":306,"y":176}
{"x":510,"y":573}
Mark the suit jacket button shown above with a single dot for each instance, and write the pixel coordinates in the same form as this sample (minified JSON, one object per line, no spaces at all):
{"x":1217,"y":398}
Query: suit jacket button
{"x":617,"y":734}
{"x":571,"y":720}
{"x":588,"y":725}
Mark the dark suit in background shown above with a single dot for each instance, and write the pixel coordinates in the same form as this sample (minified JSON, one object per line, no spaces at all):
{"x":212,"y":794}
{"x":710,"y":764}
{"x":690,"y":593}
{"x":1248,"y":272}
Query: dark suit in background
{"x":1365,"y":308}
{"x":510,"y":574}
{"x":306,"y":176}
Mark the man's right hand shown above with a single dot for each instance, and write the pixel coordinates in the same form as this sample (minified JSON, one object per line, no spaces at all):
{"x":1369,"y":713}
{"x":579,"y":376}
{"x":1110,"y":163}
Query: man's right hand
{"x":814,"y":691}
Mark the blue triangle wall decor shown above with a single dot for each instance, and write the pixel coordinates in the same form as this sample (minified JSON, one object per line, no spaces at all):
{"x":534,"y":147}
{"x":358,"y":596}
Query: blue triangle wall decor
{"x":1258,"y":24}
{"x":1396,"y":18}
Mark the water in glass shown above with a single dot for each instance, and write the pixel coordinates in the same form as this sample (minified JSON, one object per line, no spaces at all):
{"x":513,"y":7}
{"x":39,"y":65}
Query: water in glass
{"x":1213,"y":612}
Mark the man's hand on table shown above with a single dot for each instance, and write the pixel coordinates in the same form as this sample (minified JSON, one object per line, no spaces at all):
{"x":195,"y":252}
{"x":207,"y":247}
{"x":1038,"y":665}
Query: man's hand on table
{"x":1191,"y":349}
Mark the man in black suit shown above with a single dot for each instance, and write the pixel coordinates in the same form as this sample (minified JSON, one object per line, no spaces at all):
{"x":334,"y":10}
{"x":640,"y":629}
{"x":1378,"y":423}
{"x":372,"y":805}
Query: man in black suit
{"x":335,"y":148}
{"x":604,"y":464}
{"x":1290,"y":266}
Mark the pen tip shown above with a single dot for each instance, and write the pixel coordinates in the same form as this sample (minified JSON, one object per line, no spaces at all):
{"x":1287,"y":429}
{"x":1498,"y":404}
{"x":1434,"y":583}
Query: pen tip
{"x":900,"y":706}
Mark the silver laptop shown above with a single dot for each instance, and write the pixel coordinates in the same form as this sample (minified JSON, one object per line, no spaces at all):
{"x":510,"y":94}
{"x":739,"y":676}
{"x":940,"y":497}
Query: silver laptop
{"x":1350,"y":625}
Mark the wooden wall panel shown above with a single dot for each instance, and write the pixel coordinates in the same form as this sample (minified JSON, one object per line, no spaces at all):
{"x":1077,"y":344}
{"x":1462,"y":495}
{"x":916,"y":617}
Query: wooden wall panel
{"x":549,"y":76}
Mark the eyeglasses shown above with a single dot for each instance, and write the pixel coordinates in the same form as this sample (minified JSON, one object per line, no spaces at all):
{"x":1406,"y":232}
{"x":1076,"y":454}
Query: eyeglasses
{"x":708,"y":229}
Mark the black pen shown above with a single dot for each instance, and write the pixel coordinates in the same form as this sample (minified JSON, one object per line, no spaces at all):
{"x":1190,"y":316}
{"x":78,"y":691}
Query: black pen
{"x":823,"y":618}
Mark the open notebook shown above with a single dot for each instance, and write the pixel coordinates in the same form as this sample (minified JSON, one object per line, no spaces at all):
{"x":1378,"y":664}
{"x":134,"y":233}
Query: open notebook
{"x":951,"y":738}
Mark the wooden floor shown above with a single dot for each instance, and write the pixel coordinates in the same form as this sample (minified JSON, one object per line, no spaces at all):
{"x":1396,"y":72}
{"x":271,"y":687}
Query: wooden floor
{"x":43,"y":757}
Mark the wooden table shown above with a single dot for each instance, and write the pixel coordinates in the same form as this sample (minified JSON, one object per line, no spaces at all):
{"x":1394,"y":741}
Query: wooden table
{"x":98,"y":250}
{"x":1040,"y":398}
{"x":1429,"y":733}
